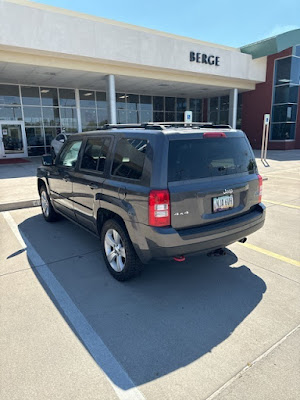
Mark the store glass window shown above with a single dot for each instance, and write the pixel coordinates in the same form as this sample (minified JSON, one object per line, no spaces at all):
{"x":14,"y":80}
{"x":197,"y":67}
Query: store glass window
{"x":158,"y":103}
{"x":51,"y":116}
{"x":101,"y":99}
{"x":180,"y":117}
{"x":286,"y":94}
{"x":36,"y":151}
{"x":67,"y":98}
{"x":9,"y":94}
{"x":219,"y":110}
{"x":132,"y":101}
{"x":170,"y":103}
{"x":32,"y":116}
{"x":132,"y":117}
{"x":88,"y":119}
{"x":50,"y":134}
{"x":284,"y":113}
{"x":214,"y":103}
{"x":196,"y":105}
{"x":49,"y":96}
{"x":239,"y":111}
{"x":87,"y":98}
{"x":224,"y":103}
{"x":121,"y":101}
{"x":283,"y":71}
{"x":68,"y":118}
{"x":214,"y":115}
{"x":295,"y":71}
{"x":170,"y":116}
{"x":146,"y":116}
{"x":158,"y":116}
{"x":121,"y":117}
{"x":196,"y":108}
{"x":180,"y":104}
{"x":30,"y":95}
{"x":285,"y":98}
{"x":10,"y":113}
{"x":146,"y":103}
{"x":102,"y":116}
{"x":283,"y":131}
{"x":34,"y":136}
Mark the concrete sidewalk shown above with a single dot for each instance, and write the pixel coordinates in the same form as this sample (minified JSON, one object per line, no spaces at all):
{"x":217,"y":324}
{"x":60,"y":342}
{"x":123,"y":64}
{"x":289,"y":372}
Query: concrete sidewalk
{"x":18,"y":188}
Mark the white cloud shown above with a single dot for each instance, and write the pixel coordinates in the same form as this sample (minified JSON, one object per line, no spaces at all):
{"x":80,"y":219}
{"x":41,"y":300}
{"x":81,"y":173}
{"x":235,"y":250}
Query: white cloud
{"x":278,"y":29}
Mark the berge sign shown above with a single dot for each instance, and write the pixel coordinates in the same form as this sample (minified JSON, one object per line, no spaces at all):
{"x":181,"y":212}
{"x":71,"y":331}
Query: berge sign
{"x":204,"y":58}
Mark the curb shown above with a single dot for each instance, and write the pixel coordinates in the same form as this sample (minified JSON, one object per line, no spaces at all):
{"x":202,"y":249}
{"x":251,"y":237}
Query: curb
{"x":19,"y":204}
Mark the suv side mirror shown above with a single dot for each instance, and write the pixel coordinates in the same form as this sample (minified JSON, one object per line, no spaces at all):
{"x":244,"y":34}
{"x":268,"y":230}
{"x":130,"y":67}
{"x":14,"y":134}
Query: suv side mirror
{"x":47,"y":160}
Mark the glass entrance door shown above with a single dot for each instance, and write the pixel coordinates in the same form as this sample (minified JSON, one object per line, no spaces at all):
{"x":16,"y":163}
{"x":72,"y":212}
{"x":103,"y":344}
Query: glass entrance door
{"x":12,"y":139}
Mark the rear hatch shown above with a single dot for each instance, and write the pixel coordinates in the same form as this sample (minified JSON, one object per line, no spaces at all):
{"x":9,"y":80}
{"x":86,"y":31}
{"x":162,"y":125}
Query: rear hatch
{"x":210,"y":178}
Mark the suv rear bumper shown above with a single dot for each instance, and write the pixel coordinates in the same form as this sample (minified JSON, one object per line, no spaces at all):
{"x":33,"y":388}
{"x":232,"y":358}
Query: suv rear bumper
{"x":158,"y":243}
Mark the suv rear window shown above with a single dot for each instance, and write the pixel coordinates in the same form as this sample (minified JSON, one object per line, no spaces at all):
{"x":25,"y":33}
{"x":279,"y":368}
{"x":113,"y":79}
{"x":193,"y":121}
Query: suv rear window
{"x":203,"y":158}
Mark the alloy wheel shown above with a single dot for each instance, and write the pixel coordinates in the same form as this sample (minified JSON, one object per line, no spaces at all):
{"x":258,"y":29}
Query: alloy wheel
{"x":115,"y":250}
{"x":45,"y":203}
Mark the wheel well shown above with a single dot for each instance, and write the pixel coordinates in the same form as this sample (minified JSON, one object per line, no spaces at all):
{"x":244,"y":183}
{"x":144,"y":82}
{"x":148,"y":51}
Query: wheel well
{"x":104,"y":215}
{"x":40,"y":184}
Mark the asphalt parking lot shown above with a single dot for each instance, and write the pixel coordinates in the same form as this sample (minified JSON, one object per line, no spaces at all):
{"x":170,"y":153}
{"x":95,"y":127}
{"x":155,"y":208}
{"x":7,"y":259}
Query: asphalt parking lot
{"x":223,"y":327}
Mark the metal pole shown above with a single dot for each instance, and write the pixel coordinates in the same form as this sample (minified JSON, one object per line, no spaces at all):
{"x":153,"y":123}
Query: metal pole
{"x":77,"y":100}
{"x":263,"y":142}
{"x":233,"y":102}
{"x":266,"y":142}
{"x":111,"y":99}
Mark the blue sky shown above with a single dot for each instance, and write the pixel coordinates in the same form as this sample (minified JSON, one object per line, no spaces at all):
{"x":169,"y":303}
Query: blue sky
{"x":229,"y":22}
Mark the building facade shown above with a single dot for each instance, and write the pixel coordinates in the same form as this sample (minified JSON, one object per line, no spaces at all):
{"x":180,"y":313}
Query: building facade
{"x":63,"y":71}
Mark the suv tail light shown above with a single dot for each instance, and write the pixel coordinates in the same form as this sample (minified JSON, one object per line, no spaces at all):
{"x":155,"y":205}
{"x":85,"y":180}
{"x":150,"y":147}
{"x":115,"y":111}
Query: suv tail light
{"x":260,"y":188}
{"x":213,"y":134}
{"x":159,"y":208}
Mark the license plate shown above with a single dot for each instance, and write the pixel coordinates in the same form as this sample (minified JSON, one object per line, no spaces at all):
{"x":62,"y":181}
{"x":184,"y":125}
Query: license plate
{"x":222,"y":203}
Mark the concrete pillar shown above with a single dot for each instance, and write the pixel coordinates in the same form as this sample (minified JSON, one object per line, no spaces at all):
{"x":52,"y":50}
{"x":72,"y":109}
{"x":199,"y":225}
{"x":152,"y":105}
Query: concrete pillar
{"x":233,"y":102}
{"x":77,"y":99}
{"x":111,"y":99}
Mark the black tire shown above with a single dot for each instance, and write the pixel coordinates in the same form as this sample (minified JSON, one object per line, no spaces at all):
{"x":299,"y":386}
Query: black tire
{"x":48,"y":213}
{"x":131,"y":262}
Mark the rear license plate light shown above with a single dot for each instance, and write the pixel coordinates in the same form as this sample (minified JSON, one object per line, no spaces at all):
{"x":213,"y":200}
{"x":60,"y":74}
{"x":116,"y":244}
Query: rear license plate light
{"x":222,"y":203}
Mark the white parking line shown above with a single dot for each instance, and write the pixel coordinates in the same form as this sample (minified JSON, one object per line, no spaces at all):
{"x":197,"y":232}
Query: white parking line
{"x":116,"y":375}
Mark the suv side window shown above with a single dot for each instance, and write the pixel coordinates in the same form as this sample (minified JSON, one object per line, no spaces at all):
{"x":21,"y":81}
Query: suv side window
{"x":129,"y":158}
{"x":95,"y":154}
{"x":69,"y":154}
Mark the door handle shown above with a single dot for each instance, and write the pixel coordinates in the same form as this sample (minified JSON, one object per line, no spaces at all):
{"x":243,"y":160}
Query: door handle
{"x":67,"y":178}
{"x":122,"y":193}
{"x":94,"y":186}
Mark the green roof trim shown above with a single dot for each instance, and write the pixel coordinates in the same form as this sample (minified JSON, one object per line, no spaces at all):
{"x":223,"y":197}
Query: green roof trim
{"x":272,"y":45}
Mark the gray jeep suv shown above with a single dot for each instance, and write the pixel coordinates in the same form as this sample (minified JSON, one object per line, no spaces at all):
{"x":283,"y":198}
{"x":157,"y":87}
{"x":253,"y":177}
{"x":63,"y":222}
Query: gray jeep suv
{"x":155,"y":191}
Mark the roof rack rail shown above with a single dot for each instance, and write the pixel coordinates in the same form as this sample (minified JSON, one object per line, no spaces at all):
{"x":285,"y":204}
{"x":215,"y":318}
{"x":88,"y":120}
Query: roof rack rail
{"x":166,"y":125}
{"x":192,"y":125}
{"x":146,"y":125}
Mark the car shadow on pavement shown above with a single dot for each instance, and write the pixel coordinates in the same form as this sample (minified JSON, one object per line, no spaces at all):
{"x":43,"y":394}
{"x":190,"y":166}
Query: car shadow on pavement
{"x":168,"y":317}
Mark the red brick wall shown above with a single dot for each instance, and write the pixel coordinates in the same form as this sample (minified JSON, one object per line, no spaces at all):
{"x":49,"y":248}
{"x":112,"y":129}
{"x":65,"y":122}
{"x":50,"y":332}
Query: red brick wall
{"x":258,"y":102}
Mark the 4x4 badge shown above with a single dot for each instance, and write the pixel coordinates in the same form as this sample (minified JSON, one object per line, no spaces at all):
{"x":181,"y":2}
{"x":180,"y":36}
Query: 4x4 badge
{"x":181,"y":213}
{"x":228,"y":191}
